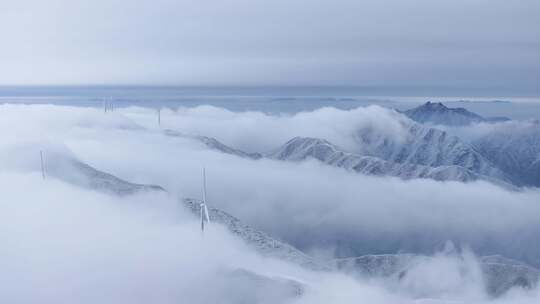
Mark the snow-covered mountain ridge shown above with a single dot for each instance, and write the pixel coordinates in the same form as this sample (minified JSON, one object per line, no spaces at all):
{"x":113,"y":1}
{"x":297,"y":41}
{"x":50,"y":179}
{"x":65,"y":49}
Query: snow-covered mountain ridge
{"x":214,"y":144}
{"x":425,"y":153}
{"x":300,"y":148}
{"x":438,"y":114}
{"x":262,"y":242}
{"x":501,"y":274}
{"x":513,"y":147}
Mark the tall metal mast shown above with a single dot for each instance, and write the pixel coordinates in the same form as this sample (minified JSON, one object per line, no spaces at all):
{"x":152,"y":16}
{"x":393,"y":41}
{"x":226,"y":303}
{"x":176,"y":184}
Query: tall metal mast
{"x":204,"y":209}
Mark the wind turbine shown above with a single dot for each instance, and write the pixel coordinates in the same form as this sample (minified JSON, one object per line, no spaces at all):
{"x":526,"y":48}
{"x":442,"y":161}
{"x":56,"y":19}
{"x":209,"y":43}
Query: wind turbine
{"x":204,"y":209}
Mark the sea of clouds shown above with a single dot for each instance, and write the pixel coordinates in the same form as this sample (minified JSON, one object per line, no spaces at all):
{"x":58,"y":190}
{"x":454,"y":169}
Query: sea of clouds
{"x":66,"y":244}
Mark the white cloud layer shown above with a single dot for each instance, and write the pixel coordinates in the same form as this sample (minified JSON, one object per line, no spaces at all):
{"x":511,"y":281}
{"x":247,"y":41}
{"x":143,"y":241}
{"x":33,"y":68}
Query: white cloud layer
{"x":63,"y":244}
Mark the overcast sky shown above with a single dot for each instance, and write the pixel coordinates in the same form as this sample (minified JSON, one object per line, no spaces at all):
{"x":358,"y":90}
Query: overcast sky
{"x":458,"y":43}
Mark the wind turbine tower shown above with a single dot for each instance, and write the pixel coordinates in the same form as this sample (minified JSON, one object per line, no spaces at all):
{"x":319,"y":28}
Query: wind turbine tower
{"x":42,"y":165}
{"x":204,"y":209}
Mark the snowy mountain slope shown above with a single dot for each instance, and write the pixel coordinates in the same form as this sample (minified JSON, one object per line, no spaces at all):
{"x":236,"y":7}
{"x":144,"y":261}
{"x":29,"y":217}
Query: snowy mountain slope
{"x":263,"y":243}
{"x":500,"y":274}
{"x":425,"y":153}
{"x":438,"y":114}
{"x":512,"y":147}
{"x":451,"y":159}
{"x":515,"y":149}
{"x":214,"y":144}
{"x":301,"y":148}
{"x":426,"y":146}
{"x":78,"y":173}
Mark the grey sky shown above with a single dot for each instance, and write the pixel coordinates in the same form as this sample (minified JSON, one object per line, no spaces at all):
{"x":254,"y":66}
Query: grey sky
{"x":459,"y":43}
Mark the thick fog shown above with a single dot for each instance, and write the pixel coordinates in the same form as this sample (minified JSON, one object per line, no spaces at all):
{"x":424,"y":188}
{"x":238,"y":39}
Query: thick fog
{"x":62,"y":243}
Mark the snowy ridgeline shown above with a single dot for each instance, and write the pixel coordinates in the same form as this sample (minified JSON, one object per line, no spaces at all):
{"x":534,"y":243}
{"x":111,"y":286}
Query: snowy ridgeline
{"x":508,"y":156}
{"x":80,"y":174}
{"x":513,"y":147}
{"x":499,"y":274}
{"x":301,"y":148}
{"x":260,"y":241}
{"x":407,"y":161}
{"x":214,"y":144}
{"x":438,"y":114}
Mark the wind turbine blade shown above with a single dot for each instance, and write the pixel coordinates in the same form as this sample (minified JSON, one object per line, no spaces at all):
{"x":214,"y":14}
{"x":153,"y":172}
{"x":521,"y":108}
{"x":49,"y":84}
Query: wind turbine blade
{"x":207,"y":214}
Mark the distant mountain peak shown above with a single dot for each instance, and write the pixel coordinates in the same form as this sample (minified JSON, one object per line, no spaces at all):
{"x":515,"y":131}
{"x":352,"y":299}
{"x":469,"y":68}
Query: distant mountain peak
{"x":434,"y":105}
{"x":440,"y":107}
{"x":438,"y":113}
